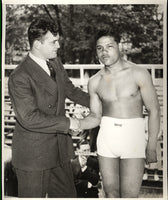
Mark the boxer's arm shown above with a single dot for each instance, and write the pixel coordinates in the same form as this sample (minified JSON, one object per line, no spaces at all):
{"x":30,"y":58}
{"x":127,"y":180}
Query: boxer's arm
{"x":150,"y":100}
{"x":94,"y":118}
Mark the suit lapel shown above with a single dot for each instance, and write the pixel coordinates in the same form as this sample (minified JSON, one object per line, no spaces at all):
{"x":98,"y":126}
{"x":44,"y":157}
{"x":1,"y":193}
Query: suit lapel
{"x":60,"y":85}
{"x":40,"y":76}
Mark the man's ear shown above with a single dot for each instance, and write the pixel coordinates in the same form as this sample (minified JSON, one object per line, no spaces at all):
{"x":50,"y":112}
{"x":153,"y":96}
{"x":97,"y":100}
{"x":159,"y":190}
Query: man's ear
{"x":37,"y":44}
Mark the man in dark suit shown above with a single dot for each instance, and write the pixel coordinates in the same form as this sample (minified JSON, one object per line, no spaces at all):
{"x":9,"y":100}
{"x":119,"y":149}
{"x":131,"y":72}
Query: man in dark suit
{"x":86,"y":171}
{"x":42,"y":146}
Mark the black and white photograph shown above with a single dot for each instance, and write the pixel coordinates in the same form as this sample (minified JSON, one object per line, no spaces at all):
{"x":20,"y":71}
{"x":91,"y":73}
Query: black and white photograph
{"x":84,"y":99}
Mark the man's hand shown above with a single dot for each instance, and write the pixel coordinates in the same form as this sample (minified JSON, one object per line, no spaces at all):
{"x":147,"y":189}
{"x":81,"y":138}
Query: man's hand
{"x":89,"y":185}
{"x":74,"y":124}
{"x":151,"y":155}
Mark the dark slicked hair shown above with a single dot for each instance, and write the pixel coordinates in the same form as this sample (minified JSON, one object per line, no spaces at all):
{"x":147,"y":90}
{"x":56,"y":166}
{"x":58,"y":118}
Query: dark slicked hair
{"x":107,"y":32}
{"x":39,"y":27}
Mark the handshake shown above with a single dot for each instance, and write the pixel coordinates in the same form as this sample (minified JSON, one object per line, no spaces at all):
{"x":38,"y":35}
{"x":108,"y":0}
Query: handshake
{"x":75,"y":128}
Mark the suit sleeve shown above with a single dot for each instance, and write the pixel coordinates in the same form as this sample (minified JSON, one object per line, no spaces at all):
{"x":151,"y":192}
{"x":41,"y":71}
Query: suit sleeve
{"x":74,"y":93}
{"x":27,"y":112}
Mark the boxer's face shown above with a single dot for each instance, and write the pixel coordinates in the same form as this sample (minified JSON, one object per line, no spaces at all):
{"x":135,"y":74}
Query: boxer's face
{"x":107,"y":50}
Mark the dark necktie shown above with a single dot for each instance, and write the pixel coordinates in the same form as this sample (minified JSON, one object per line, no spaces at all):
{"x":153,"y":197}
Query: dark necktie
{"x":52,"y":72}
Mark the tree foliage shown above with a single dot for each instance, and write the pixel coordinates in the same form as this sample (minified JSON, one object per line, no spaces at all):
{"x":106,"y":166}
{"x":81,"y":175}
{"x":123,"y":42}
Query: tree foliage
{"x":140,"y":26}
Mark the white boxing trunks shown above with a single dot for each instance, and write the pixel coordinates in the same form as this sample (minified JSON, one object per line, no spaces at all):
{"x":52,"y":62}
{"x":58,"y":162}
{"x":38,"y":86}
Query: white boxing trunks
{"x":123,"y":138}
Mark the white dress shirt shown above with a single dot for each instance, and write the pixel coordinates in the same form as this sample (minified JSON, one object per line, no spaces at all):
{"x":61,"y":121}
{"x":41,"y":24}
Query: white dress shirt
{"x":40,"y":62}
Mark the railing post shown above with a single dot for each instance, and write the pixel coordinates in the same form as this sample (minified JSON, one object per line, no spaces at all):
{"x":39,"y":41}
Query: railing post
{"x":153,"y":73}
{"x":81,"y":75}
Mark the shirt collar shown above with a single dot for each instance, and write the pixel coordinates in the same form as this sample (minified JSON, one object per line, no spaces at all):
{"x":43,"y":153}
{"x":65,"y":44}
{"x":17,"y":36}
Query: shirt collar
{"x":40,"y":62}
{"x":37,"y":59}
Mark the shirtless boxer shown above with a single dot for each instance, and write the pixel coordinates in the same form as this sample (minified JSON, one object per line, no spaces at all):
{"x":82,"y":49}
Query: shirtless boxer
{"x":117,"y":95}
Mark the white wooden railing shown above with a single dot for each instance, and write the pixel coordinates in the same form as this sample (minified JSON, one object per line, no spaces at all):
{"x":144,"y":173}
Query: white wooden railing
{"x":82,"y":67}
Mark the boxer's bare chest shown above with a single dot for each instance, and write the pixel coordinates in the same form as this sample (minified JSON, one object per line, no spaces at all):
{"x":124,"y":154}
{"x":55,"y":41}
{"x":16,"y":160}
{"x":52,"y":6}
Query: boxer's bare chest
{"x":113,"y":87}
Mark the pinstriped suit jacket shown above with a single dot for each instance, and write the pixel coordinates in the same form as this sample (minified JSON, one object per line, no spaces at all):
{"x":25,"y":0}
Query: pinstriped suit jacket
{"x":41,"y":139}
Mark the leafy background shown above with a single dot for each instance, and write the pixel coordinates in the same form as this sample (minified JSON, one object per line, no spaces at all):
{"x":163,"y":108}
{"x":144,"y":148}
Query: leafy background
{"x":141,"y":28}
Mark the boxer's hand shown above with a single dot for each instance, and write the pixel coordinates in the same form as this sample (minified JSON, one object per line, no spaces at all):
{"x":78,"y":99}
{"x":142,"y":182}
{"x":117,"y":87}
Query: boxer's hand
{"x":151,"y":155}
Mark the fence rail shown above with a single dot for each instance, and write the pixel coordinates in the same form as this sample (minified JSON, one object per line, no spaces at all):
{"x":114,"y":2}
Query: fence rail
{"x":83,"y":68}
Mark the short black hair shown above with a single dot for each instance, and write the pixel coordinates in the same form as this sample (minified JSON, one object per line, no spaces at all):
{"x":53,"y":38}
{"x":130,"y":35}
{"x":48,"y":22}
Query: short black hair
{"x":107,"y":32}
{"x":39,"y":27}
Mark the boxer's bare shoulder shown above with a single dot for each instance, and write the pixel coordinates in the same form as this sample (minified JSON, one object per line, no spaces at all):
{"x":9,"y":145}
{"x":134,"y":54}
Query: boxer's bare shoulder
{"x":141,"y":76}
{"x":95,"y":79}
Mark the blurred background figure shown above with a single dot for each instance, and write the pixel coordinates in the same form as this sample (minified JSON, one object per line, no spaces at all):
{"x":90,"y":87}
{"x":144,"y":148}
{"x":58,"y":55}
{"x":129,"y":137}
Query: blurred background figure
{"x":86,"y":171}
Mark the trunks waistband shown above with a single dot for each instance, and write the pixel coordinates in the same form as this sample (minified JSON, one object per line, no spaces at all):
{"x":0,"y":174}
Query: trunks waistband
{"x":120,"y":121}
